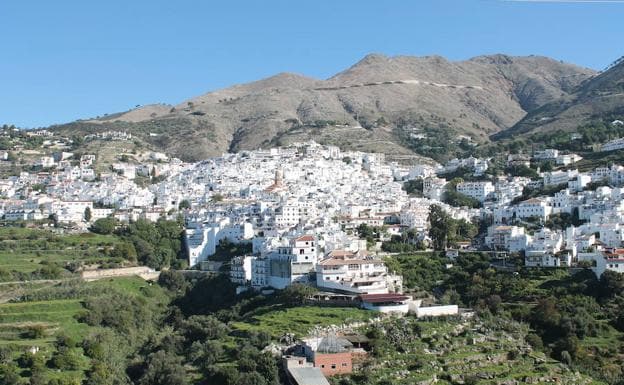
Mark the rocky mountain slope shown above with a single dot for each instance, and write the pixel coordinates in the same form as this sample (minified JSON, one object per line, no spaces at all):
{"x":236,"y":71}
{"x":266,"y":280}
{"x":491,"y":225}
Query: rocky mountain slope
{"x":379,"y":104}
{"x":598,"y":98}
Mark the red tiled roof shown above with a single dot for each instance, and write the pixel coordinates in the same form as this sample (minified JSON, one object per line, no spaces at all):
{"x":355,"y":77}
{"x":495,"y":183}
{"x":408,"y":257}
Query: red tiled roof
{"x":341,"y":254}
{"x":305,"y":238}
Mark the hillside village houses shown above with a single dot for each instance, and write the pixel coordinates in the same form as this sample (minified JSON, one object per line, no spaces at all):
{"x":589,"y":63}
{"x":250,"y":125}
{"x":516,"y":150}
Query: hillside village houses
{"x":272,"y":199}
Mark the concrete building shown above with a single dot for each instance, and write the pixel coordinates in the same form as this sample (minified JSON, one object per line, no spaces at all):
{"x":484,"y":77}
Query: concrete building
{"x":348,"y":272}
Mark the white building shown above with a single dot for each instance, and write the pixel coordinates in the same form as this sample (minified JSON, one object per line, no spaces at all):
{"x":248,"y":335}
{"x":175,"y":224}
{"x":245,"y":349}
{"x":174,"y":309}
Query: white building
{"x":615,"y":144}
{"x":603,"y":260}
{"x":511,"y":238}
{"x":548,"y":260}
{"x":356,"y":273}
{"x":533,"y":208}
{"x":434,"y":187}
{"x":46,"y":161}
{"x":579,"y":183}
{"x":202,"y":238}
{"x":477,"y":190}
{"x":241,"y":269}
{"x":556,"y":178}
{"x":547,"y":154}
{"x":567,"y":159}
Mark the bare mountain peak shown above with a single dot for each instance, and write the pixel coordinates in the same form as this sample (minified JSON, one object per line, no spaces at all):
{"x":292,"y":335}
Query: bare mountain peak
{"x":370,"y":105}
{"x":373,"y":58}
{"x":493,"y":59}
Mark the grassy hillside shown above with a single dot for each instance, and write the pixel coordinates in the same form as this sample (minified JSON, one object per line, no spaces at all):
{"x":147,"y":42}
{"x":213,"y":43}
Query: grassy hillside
{"x":32,"y":322}
{"x":38,"y":254}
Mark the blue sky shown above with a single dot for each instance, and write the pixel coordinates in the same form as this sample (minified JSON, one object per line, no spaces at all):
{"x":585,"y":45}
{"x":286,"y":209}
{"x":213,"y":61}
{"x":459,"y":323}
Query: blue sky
{"x":68,"y":59}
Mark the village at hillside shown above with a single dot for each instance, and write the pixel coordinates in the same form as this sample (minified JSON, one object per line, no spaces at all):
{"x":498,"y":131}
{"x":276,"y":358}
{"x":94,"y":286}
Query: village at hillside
{"x":327,"y":224}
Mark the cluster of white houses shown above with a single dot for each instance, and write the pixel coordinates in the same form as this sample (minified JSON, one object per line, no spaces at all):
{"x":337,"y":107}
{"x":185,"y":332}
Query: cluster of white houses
{"x":271,"y":198}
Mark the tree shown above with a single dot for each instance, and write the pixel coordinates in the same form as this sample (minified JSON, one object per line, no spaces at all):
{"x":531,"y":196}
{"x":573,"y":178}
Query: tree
{"x":611,"y":284}
{"x":164,"y":369}
{"x":104,"y":225}
{"x":546,"y":315}
{"x":202,"y":327}
{"x":205,"y":354}
{"x":65,"y":359}
{"x":99,"y":374}
{"x":439,"y":227}
{"x":414,"y":187}
{"x":173,"y":281}
{"x":251,"y":378}
{"x":87,"y":214}
{"x":535,"y":341}
{"x":457,"y":199}
{"x":493,"y":303}
{"x":9,"y":374}
{"x":124,"y":250}
{"x":296,"y":293}
{"x":184,"y":204}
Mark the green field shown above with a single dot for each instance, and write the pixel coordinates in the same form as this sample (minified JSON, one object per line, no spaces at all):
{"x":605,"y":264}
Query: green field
{"x":53,"y":316}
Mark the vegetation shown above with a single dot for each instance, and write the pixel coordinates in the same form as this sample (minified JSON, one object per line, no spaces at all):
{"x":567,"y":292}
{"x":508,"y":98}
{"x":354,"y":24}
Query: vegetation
{"x":226,"y":250}
{"x":574,"y":319}
{"x":563,"y":220}
{"x":414,"y":187}
{"x":446,"y":231}
{"x":408,"y":241}
{"x":545,"y":323}
{"x":457,"y":199}
{"x":372,"y":234}
{"x":522,"y":170}
{"x":27,"y":254}
{"x":157,"y":245}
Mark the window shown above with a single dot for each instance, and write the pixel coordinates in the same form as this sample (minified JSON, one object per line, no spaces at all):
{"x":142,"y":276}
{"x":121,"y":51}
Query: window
{"x":301,"y":251}
{"x":333,"y":366}
{"x":344,"y":364}
{"x":327,"y":278}
{"x":322,"y":366}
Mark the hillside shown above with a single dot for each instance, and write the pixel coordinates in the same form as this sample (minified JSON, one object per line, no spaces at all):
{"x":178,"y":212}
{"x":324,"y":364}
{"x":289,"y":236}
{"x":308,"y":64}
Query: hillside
{"x":599,"y":98}
{"x":396,"y":105}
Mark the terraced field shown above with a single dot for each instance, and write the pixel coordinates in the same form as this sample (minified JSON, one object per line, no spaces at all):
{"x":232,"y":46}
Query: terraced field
{"x":33,"y":323}
{"x":17,"y":320}
{"x":24,"y":251}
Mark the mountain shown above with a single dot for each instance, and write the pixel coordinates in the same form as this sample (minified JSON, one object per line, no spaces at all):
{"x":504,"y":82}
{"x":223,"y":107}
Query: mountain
{"x":385,"y":104}
{"x":598,"y":98}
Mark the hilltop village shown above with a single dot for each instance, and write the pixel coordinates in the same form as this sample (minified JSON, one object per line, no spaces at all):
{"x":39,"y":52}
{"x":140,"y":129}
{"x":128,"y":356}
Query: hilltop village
{"x":274,"y":223}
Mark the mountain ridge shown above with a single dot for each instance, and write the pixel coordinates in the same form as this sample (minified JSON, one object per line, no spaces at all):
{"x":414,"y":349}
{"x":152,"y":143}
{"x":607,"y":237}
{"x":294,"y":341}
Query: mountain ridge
{"x":596,"y":98}
{"x":379,"y":99}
